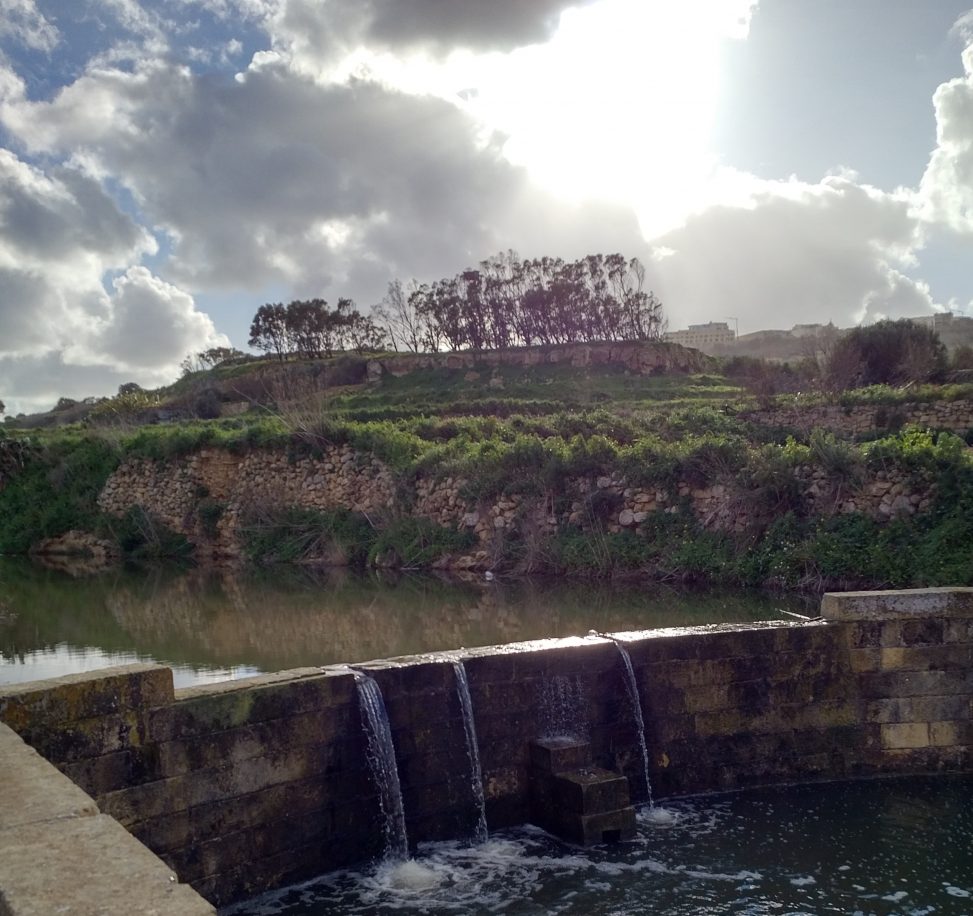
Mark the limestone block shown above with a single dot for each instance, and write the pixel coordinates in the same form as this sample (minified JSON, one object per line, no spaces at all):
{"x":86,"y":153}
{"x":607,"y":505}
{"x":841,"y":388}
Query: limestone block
{"x":907,"y":602}
{"x":905,"y":735}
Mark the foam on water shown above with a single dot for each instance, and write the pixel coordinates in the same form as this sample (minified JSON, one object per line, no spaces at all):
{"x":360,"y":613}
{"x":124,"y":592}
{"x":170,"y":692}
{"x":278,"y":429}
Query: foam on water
{"x":658,"y":816}
{"x":833,"y":848}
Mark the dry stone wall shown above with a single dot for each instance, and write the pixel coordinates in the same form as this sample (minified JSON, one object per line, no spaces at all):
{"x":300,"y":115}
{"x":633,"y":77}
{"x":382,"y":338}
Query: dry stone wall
{"x":956,"y":416}
{"x":636,"y":356}
{"x":175,"y":492}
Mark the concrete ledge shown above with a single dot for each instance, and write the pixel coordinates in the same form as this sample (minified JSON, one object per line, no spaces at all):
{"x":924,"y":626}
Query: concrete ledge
{"x":32,"y":790}
{"x":906,"y":602}
{"x":59,"y":855}
{"x":86,"y":866}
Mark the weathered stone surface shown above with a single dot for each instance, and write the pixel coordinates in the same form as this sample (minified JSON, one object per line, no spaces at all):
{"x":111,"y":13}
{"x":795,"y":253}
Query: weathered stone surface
{"x":907,"y":602}
{"x":85,"y":866}
{"x":272,"y":770}
{"x":32,"y":790}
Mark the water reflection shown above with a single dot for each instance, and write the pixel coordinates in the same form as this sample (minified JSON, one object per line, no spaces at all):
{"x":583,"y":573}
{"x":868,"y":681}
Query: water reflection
{"x":215,"y":624}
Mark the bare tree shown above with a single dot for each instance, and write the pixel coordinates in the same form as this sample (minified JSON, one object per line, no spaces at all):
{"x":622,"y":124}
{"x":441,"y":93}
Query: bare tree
{"x":397,"y":313}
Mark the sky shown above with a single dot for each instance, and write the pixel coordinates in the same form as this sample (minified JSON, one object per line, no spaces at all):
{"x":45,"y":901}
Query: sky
{"x":167,"y":166}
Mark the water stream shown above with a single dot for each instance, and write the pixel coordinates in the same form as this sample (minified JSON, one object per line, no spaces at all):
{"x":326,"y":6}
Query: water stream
{"x":633,"y":693}
{"x":480,"y":833}
{"x":381,"y":761}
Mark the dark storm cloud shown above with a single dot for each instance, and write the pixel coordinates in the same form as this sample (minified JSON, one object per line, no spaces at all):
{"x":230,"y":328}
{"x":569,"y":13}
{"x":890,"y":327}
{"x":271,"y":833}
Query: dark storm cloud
{"x":497,"y":25}
{"x":50,"y":217}
{"x":319,"y":29}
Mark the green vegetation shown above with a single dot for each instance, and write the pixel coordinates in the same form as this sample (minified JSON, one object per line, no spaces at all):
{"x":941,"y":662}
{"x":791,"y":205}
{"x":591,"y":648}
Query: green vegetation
{"x":55,"y":490}
{"x":526,"y":430}
{"x":342,"y":537}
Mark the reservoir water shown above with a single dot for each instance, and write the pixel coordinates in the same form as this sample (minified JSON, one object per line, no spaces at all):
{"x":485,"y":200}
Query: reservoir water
{"x":217,"y":625}
{"x":900,"y":847}
{"x":895,"y":847}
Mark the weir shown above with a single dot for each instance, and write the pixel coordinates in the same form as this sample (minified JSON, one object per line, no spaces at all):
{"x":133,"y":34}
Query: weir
{"x":247,"y":785}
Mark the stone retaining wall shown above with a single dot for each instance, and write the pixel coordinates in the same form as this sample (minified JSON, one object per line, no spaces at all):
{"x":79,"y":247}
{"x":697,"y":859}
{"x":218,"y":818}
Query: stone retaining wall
{"x":956,"y":416}
{"x":252,"y":784}
{"x":177,"y":492}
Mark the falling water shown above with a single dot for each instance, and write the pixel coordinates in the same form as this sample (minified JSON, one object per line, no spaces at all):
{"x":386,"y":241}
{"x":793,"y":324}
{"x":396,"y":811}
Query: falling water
{"x":381,"y":760}
{"x":476,"y":774}
{"x":633,"y":692}
{"x":564,"y":708}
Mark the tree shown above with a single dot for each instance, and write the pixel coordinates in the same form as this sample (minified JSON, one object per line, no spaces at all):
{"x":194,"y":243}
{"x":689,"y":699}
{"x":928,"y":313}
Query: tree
{"x":888,"y":352}
{"x":398,"y":314}
{"x":364,"y":334}
{"x":203,"y":360}
{"x":269,"y":331}
{"x":308,"y":328}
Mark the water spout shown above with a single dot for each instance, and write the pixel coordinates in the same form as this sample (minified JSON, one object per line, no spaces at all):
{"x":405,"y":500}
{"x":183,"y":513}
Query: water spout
{"x":480,"y":834}
{"x":381,"y":761}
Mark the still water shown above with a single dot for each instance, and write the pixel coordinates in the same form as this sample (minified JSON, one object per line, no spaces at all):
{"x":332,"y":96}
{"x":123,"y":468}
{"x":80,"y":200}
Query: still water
{"x":897,"y":846}
{"x":211,"y":625}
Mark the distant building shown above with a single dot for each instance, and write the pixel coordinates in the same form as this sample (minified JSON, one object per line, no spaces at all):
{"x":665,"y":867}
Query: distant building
{"x":703,"y":336}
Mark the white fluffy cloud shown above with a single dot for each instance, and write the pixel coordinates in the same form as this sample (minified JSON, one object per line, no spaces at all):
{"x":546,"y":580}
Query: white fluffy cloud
{"x":60,"y":234}
{"x":275,"y":178}
{"x":947,"y":185}
{"x":794,"y":253}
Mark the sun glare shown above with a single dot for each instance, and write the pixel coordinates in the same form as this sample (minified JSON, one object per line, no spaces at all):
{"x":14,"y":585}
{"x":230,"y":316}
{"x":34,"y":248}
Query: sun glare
{"x":619,"y":105}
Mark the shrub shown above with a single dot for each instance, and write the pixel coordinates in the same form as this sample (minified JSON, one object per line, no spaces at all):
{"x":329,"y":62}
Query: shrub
{"x":295,"y":535}
{"x":414,"y":543}
{"x":55,"y":490}
{"x":143,"y":536}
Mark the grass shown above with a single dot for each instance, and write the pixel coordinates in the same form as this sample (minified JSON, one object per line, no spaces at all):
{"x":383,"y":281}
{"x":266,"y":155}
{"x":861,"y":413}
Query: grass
{"x":529,"y":433}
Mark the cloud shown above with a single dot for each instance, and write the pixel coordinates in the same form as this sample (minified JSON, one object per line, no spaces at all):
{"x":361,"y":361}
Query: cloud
{"x":278,"y":179}
{"x":947,"y":185}
{"x":795,"y":253}
{"x":307,"y":28}
{"x":60,"y":235}
{"x":21,"y":21}
{"x":153,"y":323}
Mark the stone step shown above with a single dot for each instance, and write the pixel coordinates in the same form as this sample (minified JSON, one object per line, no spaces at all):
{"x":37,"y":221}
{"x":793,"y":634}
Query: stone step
{"x":556,"y":755}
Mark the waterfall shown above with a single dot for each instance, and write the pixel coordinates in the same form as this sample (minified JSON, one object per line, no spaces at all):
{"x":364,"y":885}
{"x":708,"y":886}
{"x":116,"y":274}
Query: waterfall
{"x":633,"y":692}
{"x":476,"y":774}
{"x":381,"y":761}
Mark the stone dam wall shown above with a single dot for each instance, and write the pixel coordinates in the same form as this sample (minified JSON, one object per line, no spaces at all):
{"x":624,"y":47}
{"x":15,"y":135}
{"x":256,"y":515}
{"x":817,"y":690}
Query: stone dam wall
{"x":249,"y":785}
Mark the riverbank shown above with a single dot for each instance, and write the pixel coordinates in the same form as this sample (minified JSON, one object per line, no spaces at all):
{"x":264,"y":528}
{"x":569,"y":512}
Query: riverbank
{"x":592,"y":471}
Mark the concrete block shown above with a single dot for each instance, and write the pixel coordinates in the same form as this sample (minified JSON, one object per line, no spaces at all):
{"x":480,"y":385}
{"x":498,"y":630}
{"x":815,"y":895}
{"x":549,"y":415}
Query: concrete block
{"x":553,"y":755}
{"x":32,"y":789}
{"x":88,"y":865}
{"x":91,"y":695}
{"x":908,"y":602}
{"x":590,"y":791}
{"x":951,"y":733}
